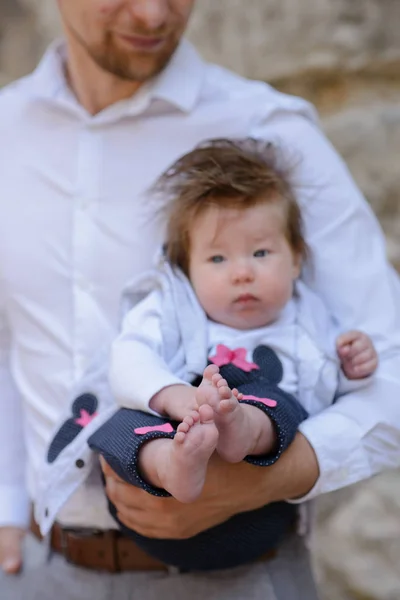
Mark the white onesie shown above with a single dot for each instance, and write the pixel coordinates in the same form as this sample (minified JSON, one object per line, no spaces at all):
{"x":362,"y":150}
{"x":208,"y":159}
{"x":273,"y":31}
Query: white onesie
{"x":166,"y":339}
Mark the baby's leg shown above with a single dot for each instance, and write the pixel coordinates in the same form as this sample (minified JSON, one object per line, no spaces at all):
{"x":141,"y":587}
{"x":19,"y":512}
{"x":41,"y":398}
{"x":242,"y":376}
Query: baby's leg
{"x":180,"y":465}
{"x":243,"y":429}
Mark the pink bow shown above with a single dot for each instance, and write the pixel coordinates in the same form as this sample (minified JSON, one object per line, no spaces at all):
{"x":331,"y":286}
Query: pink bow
{"x":266,"y":401}
{"x":85,"y":418}
{"x":167,"y":428}
{"x":236,"y":357}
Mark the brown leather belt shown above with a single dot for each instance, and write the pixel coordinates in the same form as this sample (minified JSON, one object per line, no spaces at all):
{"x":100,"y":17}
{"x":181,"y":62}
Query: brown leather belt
{"x":104,"y":550}
{"x":99,"y":550}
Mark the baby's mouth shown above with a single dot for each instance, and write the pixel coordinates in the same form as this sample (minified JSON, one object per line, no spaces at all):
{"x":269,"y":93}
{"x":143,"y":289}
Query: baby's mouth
{"x":246,"y":299}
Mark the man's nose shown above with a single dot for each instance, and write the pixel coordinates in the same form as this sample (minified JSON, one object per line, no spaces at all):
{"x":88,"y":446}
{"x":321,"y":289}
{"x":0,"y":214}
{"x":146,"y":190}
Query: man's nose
{"x":150,"y":14}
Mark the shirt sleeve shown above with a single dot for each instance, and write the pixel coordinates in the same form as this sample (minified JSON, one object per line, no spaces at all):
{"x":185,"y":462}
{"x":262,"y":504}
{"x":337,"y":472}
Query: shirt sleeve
{"x":138,"y":367}
{"x":14,"y":500}
{"x":359,"y":435}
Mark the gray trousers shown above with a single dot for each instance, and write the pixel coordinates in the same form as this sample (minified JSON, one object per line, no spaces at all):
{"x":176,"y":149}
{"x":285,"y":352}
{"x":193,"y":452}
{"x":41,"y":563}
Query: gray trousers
{"x":49,"y":577}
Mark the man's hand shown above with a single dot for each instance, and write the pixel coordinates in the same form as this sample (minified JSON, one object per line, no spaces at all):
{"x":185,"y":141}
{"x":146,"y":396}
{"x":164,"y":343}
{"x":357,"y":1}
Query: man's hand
{"x":11,"y":549}
{"x":357,"y":354}
{"x":229,"y":489}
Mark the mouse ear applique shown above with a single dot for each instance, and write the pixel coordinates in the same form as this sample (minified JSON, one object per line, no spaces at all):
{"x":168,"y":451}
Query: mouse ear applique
{"x":83,"y":411}
{"x":269,"y":364}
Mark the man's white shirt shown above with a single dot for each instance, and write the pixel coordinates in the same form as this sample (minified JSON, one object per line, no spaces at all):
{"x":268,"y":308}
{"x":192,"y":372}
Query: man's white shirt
{"x":76,"y":224}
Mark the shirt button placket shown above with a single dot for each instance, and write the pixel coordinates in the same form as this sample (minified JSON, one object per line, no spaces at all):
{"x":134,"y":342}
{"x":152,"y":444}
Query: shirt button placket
{"x":84,"y":241}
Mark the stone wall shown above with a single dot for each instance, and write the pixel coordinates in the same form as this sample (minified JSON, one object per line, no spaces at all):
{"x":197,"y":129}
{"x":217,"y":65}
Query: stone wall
{"x":343,"y":55}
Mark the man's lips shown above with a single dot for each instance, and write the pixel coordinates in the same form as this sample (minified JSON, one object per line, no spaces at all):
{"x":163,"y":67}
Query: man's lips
{"x":140,"y":42}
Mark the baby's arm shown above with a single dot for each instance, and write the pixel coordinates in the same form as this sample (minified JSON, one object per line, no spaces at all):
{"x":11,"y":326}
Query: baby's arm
{"x":140,"y":377}
{"x":357,"y":354}
{"x":142,"y":382}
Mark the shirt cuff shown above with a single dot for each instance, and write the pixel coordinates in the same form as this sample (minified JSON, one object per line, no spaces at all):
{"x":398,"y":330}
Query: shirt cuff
{"x":15,"y":506}
{"x":341,"y":458}
{"x":346,"y":386}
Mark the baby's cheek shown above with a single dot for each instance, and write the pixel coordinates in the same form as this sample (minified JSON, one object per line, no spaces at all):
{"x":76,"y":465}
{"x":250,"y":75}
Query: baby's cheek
{"x":212,"y":301}
{"x":283,"y":292}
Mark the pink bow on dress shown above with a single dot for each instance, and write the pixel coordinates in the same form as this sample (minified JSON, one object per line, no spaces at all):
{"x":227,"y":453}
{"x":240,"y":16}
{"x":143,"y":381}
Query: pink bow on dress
{"x":166,"y":428}
{"x":267,"y":401}
{"x":85,"y":418}
{"x":236,"y":357}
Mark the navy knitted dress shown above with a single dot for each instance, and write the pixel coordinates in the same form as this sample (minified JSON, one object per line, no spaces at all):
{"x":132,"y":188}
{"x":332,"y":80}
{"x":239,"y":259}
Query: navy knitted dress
{"x":246,"y":536}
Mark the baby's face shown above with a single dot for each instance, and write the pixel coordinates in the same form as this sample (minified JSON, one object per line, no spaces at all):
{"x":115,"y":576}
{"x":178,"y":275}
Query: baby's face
{"x":241,"y":265}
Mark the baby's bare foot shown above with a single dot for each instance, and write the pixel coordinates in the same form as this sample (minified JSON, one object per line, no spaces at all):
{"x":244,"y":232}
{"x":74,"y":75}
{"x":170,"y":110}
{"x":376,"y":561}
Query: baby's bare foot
{"x":243,"y":429}
{"x":180,"y":465}
{"x":207,"y":393}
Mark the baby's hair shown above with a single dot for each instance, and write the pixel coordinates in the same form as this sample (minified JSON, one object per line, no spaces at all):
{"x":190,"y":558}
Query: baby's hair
{"x":224,"y":173}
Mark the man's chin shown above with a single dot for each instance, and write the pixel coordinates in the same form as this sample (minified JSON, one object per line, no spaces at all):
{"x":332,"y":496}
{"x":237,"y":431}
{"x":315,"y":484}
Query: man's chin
{"x":139,"y":67}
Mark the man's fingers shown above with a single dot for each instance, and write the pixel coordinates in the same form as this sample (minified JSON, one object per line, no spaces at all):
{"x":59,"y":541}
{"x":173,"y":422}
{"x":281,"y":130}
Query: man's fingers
{"x":143,"y":522}
{"x":149,"y":515}
{"x":139,"y":525}
{"x":12,"y":564}
{"x":122,"y":494}
{"x":108,"y":472}
{"x":11,"y":549}
{"x":126,"y":496}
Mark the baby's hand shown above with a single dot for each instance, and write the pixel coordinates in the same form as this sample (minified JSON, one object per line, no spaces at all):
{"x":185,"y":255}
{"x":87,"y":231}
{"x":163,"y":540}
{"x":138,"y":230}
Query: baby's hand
{"x":357,"y":354}
{"x":175,"y":401}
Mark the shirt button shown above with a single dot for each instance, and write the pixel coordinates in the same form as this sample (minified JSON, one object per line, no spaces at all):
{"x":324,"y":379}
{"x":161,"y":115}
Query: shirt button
{"x":80,"y":463}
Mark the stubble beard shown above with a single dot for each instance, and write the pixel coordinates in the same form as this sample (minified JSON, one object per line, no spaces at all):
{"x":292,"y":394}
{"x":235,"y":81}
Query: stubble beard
{"x":129,"y":66}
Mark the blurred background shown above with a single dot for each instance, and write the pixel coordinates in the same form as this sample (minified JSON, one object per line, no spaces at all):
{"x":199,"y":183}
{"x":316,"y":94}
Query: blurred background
{"x":344,"y":56}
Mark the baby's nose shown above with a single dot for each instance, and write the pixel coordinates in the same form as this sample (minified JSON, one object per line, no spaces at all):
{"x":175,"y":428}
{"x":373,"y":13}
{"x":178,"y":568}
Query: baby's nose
{"x":242,"y":272}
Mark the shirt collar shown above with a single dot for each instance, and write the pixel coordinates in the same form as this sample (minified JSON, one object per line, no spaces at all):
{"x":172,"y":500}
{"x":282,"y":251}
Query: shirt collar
{"x":48,"y":79}
{"x":181,"y":81}
{"x":179,"y":84}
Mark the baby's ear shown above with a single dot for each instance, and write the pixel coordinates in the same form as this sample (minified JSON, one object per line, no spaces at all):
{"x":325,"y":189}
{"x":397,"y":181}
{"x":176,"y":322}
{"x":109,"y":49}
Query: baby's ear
{"x":269,"y":363}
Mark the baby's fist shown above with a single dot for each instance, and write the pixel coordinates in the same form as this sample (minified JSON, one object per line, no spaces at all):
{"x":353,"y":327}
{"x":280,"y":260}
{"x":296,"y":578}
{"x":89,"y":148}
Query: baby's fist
{"x":357,"y":354}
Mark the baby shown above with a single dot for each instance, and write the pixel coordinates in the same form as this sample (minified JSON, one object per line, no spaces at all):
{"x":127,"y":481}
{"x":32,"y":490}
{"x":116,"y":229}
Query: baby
{"x":227,"y":305}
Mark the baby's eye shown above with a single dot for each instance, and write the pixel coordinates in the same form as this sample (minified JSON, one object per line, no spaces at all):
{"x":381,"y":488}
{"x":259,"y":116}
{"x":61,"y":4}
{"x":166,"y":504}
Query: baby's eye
{"x":261,"y":253}
{"x":218,"y":258}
